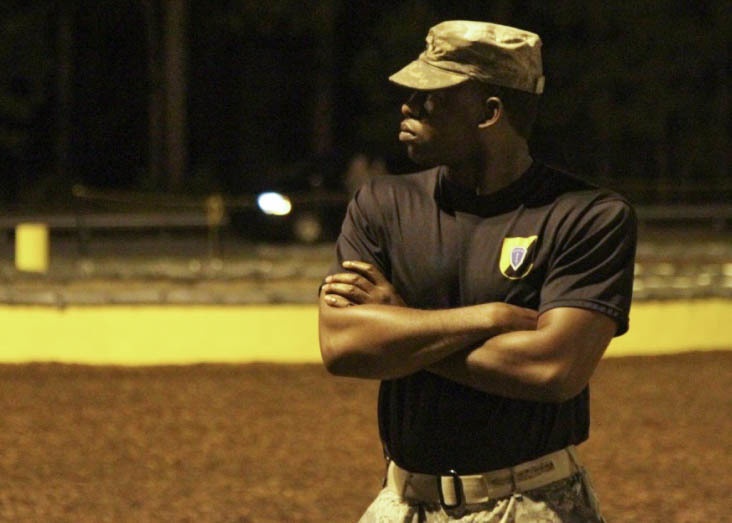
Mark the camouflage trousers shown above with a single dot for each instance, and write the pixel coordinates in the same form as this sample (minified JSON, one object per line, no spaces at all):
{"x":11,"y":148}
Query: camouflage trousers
{"x":571,"y":500}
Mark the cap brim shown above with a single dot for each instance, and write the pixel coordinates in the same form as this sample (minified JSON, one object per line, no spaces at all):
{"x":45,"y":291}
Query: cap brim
{"x":422,"y":76}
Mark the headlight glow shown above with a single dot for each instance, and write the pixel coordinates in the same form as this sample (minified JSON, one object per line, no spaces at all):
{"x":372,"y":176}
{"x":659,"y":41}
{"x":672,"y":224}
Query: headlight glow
{"x":274,"y":204}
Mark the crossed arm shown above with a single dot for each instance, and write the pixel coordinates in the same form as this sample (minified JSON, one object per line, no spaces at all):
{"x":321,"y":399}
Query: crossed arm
{"x":367,"y":331}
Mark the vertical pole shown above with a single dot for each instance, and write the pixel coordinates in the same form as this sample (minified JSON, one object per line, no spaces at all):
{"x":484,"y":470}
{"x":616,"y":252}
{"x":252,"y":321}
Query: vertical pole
{"x":32,"y":247}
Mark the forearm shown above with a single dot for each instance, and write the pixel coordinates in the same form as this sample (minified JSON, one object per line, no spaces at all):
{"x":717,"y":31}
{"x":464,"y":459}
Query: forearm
{"x":384,"y":342}
{"x":552,"y":363}
{"x":503,"y":366}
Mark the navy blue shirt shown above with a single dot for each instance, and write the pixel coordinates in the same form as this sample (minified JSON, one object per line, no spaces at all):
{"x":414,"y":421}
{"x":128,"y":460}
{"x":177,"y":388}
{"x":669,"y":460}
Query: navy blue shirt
{"x":547,"y":240}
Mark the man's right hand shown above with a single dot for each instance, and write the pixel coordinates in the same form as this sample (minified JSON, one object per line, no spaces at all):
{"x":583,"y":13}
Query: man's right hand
{"x":362,"y":284}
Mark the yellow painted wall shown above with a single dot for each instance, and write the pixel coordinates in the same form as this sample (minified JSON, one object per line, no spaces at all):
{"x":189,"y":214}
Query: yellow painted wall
{"x":151,"y":335}
{"x":676,"y":326}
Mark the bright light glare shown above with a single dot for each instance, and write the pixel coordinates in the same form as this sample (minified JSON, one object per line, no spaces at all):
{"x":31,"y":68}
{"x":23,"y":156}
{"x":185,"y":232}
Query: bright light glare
{"x":274,"y":203}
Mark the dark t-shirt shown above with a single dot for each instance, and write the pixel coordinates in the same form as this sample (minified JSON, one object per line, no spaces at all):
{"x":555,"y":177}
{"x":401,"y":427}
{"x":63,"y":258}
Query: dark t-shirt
{"x":547,"y":240}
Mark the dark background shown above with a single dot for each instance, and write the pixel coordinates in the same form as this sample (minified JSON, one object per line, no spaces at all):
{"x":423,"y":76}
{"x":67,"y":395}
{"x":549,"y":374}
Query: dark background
{"x":637,"y":92}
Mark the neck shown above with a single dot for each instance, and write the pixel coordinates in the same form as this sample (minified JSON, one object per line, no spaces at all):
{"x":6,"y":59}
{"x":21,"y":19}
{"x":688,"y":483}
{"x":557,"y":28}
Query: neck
{"x":493,"y":170}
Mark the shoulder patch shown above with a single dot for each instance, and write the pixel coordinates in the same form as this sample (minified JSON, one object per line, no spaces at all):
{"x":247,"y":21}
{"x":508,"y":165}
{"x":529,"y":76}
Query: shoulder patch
{"x":517,"y":255}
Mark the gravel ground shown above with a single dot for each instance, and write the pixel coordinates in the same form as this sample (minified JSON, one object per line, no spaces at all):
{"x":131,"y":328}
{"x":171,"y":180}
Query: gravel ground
{"x":287,"y":443}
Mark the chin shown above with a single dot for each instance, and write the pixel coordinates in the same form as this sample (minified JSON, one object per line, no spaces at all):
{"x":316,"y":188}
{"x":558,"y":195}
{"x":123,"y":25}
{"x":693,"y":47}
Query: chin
{"x":421,"y":160}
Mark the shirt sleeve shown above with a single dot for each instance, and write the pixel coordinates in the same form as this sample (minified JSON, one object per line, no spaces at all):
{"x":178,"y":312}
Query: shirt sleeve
{"x":593,"y":264}
{"x":361,"y":236}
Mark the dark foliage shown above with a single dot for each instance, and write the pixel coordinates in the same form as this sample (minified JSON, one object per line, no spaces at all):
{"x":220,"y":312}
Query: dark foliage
{"x":637,"y":93}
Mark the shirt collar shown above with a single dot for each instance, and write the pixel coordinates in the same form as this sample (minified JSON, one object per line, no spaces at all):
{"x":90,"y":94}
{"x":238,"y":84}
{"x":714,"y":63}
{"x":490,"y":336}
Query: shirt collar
{"x":456,"y":198}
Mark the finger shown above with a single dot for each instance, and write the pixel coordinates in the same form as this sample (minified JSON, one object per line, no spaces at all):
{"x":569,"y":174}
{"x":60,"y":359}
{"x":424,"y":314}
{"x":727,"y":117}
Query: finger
{"x":351,"y":278}
{"x":367,"y":270}
{"x":528,"y":320}
{"x":334,"y":300}
{"x":348,"y":291}
{"x":531,"y":313}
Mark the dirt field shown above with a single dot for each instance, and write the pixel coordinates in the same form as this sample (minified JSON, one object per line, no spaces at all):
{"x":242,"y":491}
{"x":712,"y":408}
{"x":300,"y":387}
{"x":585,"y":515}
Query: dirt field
{"x":288,"y":443}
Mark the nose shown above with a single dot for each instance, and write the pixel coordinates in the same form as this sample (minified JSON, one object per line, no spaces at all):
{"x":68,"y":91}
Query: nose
{"x":412,"y":107}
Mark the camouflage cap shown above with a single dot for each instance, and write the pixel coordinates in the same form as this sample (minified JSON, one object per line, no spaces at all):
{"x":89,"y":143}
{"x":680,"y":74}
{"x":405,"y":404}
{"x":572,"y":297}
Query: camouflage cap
{"x":459,"y":50}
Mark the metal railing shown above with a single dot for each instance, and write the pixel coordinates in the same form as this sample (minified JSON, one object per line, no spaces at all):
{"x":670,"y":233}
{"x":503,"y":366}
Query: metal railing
{"x":118,"y":210}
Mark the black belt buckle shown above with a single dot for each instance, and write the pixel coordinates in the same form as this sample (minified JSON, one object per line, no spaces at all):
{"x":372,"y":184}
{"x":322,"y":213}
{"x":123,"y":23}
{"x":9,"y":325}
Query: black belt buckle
{"x":457,"y":484}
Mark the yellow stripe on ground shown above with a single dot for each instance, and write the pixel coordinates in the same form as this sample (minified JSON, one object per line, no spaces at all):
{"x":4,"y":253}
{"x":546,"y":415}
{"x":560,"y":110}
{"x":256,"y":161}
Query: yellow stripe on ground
{"x":152,"y":335}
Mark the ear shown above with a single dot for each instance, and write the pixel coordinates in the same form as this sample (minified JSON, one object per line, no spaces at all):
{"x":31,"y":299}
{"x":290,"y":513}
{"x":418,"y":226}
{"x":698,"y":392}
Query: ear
{"x":492,"y":112}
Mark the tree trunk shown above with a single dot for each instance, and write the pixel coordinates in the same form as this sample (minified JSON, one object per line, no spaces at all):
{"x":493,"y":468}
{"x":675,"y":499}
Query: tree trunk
{"x":322,"y":137}
{"x":65,"y":65}
{"x":156,"y":124}
{"x":175,"y":62}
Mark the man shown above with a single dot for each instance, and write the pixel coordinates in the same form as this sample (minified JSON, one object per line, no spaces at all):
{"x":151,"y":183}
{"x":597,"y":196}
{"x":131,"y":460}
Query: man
{"x":482,"y":292}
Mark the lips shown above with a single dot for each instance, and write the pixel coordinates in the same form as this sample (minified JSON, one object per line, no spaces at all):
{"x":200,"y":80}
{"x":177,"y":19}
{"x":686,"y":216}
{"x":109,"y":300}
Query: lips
{"x":406,"y":133}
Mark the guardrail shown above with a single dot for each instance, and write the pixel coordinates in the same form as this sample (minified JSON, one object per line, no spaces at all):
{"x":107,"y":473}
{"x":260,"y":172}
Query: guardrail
{"x":111,"y":220}
{"x":83,"y":225}
{"x":719,"y":216}
{"x":213,"y":213}
{"x":114,"y":211}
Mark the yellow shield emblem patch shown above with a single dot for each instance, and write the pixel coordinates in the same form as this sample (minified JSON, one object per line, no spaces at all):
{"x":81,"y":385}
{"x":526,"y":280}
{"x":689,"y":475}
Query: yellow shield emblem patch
{"x":517,"y":257}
